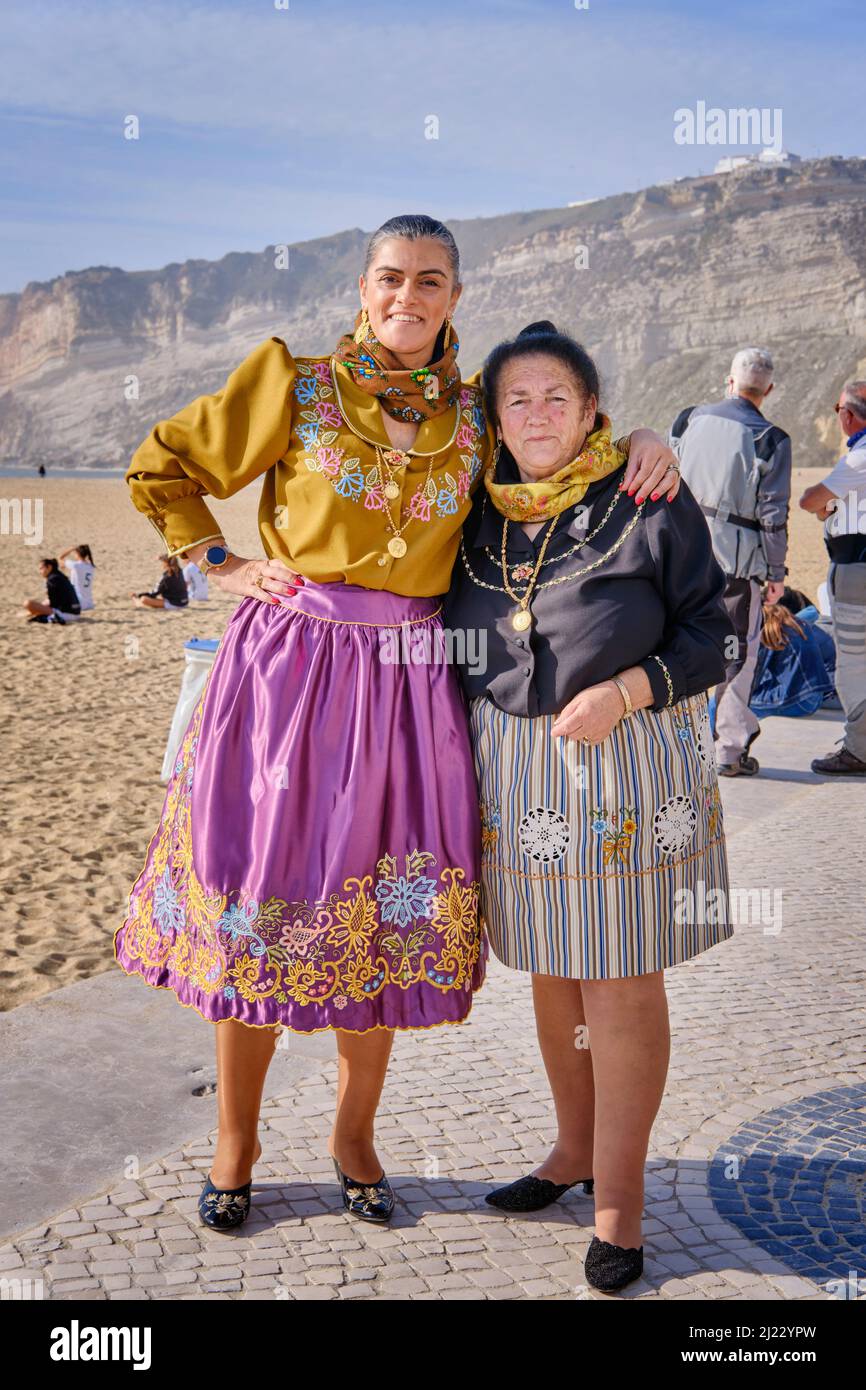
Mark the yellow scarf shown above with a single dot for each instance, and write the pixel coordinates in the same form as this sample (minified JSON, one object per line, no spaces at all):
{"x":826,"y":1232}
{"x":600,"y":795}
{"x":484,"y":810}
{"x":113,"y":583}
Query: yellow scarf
{"x":535,"y":501}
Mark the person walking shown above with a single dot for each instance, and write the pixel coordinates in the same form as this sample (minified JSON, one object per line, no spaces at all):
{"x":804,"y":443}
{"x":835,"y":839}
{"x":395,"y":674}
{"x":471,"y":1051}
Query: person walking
{"x":840,"y":501}
{"x":738,"y":466}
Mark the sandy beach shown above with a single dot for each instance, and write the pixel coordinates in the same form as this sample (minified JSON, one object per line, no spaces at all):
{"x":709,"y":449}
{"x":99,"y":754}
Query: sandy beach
{"x":87,"y":710}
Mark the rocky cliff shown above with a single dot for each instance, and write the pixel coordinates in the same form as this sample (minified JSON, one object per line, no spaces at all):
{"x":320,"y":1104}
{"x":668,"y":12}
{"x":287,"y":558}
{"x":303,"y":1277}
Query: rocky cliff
{"x":662,"y":286}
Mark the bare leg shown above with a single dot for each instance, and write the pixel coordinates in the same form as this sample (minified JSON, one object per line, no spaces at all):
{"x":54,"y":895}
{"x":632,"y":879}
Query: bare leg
{"x":33,"y":605}
{"x":561,"y":1026}
{"x":147,"y":602}
{"x":629,"y":1035}
{"x":363,"y":1063}
{"x":243,"y":1057}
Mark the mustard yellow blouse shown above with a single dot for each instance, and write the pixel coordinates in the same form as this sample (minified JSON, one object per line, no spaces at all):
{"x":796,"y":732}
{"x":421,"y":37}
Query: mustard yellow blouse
{"x":302,"y":425}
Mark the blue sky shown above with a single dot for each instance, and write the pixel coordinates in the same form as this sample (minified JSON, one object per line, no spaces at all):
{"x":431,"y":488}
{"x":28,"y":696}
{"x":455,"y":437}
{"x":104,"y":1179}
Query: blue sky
{"x":260,"y":125}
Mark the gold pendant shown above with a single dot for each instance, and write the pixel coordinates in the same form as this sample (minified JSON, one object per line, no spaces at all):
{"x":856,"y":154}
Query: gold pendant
{"x":397,"y":546}
{"x":522,"y":619}
{"x":391,"y":491}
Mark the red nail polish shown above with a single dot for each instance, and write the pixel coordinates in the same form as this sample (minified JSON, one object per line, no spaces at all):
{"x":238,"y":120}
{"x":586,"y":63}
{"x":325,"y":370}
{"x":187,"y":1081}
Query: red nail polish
{"x":291,"y":591}
{"x":654,"y":496}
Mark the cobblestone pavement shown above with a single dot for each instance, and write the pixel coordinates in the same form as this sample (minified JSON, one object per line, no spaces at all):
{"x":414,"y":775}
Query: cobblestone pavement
{"x":770,"y":1024}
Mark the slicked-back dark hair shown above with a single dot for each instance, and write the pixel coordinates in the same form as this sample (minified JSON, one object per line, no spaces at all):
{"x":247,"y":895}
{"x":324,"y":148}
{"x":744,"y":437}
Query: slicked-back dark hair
{"x":534,"y":340}
{"x":414,"y":226}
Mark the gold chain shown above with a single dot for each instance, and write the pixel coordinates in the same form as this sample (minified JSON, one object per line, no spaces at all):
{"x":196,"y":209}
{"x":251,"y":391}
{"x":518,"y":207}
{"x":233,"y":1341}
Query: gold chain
{"x":523,"y":618}
{"x":396,"y":545}
{"x":554,"y":559}
{"x":565,"y":578}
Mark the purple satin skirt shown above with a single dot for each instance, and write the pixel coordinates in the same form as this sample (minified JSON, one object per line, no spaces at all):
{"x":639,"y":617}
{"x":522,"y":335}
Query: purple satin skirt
{"x":317,"y":861}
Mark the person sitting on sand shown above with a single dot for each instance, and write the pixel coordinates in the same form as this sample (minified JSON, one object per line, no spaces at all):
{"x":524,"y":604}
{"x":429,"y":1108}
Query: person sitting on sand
{"x":796,"y":661}
{"x":170,"y":592}
{"x":81,"y":570}
{"x":62,"y":605}
{"x":196,"y":582}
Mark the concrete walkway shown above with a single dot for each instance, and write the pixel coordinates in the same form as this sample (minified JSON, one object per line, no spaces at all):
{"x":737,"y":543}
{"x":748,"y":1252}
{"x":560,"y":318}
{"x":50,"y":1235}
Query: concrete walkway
{"x":755,"y":1181}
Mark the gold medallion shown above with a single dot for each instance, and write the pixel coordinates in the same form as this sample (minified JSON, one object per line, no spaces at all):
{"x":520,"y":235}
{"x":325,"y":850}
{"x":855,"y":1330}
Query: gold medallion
{"x":397,"y":546}
{"x":391,"y":491}
{"x":522,"y":619}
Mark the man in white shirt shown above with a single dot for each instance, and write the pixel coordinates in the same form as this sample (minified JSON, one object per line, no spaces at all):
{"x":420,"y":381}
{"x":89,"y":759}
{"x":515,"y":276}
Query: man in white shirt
{"x":840,"y":500}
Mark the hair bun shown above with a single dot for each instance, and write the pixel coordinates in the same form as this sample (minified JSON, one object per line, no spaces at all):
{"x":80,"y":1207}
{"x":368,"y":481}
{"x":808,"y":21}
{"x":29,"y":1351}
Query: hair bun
{"x":532,"y":330}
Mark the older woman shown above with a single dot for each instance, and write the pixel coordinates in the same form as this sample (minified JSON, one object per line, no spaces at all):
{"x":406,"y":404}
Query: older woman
{"x":602,"y":828}
{"x":317,"y":861}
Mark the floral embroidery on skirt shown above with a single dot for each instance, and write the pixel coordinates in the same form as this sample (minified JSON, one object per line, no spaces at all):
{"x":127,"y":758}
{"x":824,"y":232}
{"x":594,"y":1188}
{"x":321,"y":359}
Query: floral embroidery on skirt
{"x":397,"y":942}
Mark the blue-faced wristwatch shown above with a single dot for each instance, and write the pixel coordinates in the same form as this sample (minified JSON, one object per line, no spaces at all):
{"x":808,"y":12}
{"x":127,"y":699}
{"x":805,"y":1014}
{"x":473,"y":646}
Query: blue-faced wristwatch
{"x":214,"y":557}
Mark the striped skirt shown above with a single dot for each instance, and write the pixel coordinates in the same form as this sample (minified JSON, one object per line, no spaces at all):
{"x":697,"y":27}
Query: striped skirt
{"x":600,"y":861}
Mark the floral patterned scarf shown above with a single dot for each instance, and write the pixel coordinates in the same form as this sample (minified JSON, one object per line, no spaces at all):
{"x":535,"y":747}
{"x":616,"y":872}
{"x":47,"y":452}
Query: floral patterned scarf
{"x":521,"y":501}
{"x":413,"y":395}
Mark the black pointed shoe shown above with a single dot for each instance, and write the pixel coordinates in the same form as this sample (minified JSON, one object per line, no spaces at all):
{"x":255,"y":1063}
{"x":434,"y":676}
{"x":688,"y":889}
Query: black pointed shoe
{"x":224,"y":1208}
{"x":532,"y":1193}
{"x":371,"y":1201}
{"x":610,"y":1267}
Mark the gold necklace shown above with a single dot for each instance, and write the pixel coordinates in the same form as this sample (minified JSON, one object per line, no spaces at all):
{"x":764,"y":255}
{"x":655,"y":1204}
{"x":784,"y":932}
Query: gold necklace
{"x":565,"y":578}
{"x":396,"y":545}
{"x":522,"y":618}
{"x":393,"y":456}
{"x":555,"y":559}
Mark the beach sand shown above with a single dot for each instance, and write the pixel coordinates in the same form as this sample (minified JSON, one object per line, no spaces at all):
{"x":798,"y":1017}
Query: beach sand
{"x":86,"y":714}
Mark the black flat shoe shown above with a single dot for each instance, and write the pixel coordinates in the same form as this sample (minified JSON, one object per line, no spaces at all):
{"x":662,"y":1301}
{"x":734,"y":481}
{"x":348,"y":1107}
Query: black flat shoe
{"x":224,"y":1208}
{"x":532,"y":1193}
{"x":609,"y":1267}
{"x":371,"y":1201}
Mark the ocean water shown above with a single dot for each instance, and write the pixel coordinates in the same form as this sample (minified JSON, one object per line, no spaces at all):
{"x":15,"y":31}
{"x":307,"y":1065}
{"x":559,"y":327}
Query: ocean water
{"x":16,"y":470}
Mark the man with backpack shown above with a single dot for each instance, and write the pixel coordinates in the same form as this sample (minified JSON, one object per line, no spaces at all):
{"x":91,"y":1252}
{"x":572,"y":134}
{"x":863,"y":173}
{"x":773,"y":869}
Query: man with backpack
{"x":738,"y":466}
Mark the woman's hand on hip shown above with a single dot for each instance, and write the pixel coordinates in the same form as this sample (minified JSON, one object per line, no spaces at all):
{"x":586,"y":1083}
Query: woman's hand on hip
{"x":591,"y":715}
{"x":268,"y":580}
{"x":652,"y":467}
